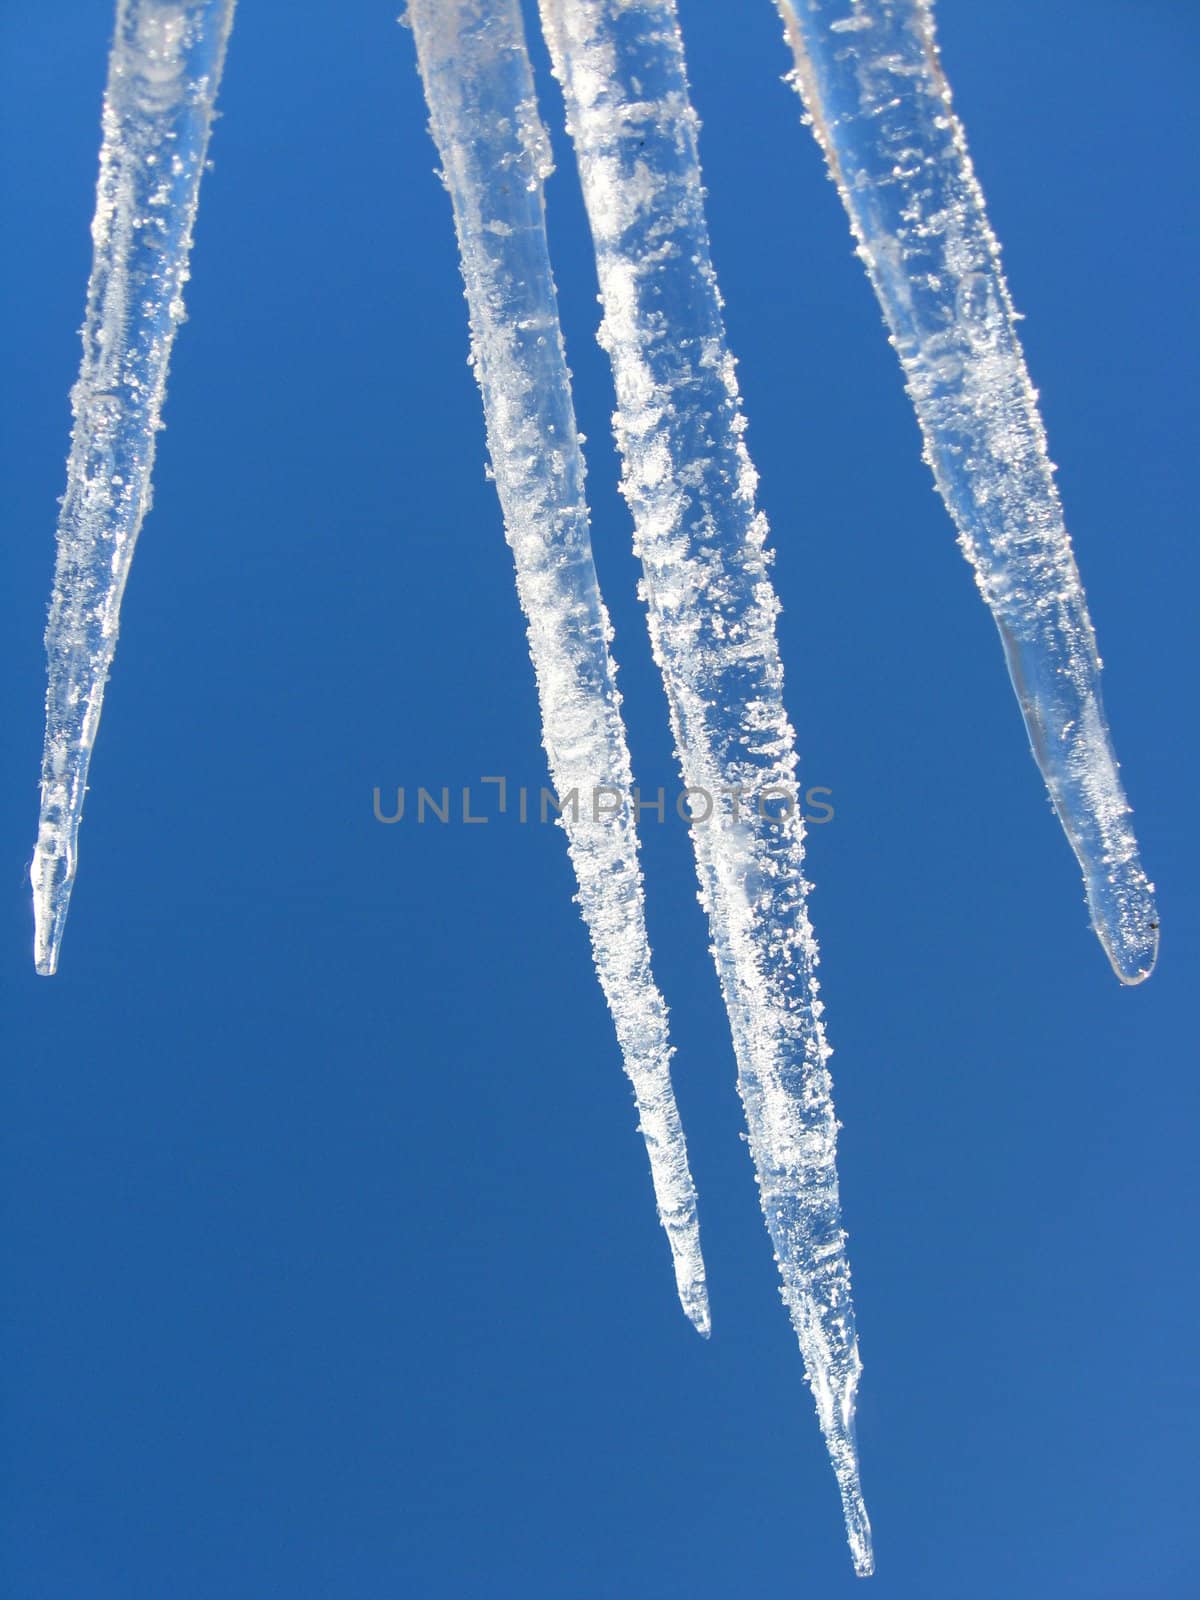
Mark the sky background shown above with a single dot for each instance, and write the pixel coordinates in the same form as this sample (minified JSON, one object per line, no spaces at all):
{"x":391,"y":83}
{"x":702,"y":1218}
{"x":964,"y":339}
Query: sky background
{"x":328,"y":1249}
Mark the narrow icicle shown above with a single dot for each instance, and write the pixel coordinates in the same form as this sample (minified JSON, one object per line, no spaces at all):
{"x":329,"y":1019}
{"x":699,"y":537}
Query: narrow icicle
{"x":495,"y":156}
{"x":162,"y":80}
{"x":869,"y":76}
{"x":691,"y":487}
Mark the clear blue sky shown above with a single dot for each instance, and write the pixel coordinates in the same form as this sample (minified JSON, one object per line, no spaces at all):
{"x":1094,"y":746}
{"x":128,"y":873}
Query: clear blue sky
{"x":327,"y":1243}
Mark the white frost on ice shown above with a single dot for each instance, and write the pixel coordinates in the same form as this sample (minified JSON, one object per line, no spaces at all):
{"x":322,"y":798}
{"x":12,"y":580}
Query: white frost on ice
{"x":879,"y":104}
{"x":162,"y":80}
{"x":691,"y":488}
{"x":495,"y":155}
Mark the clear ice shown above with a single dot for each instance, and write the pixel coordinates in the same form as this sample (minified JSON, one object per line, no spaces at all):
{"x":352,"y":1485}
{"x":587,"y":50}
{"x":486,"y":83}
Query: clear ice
{"x":691,"y":488}
{"x":875,"y":94}
{"x":495,"y":156}
{"x":162,"y":80}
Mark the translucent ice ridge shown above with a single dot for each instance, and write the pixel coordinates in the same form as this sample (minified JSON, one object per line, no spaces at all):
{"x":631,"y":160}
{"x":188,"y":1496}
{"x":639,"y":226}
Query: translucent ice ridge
{"x":691,"y":488}
{"x":495,"y":156}
{"x":162,"y":81}
{"x":878,"y":102}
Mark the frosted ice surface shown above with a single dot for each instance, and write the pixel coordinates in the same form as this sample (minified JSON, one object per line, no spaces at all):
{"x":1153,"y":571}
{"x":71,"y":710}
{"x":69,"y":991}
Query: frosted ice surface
{"x":495,"y":155}
{"x":691,"y":488}
{"x":162,"y":80}
{"x":878,"y":101}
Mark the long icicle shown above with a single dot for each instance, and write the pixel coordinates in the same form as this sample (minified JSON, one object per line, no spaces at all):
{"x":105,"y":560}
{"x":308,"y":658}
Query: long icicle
{"x":495,"y":156}
{"x":691,"y":488}
{"x":162,"y":80}
{"x":874,"y":91}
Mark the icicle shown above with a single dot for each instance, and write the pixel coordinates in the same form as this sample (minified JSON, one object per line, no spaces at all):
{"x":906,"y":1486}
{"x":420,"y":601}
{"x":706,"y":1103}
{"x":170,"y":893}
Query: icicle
{"x":162,"y":80}
{"x":691,"y":487}
{"x":872,"y":85}
{"x":495,"y":155}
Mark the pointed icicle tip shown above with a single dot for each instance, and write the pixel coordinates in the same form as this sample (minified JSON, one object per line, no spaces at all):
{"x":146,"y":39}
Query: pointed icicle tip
{"x":52,"y":883}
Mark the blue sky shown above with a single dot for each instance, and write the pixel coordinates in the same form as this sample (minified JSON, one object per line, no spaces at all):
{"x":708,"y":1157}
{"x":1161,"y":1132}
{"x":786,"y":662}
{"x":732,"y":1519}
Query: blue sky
{"x":328,"y":1250}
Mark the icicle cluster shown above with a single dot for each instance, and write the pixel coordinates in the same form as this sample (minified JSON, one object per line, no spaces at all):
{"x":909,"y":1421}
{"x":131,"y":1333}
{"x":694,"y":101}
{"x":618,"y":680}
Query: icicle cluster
{"x":879,"y":104}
